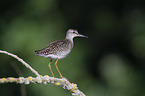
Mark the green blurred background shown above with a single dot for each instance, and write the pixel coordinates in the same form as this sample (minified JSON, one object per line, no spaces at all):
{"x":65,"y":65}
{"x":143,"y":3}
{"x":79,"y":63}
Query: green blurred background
{"x":111,"y":62}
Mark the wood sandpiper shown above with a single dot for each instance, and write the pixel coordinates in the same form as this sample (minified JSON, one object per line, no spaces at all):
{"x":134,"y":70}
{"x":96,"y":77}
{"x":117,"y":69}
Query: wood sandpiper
{"x":59,"y":49}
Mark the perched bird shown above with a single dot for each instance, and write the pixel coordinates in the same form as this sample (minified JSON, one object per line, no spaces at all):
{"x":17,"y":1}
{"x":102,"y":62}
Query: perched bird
{"x":59,"y":49}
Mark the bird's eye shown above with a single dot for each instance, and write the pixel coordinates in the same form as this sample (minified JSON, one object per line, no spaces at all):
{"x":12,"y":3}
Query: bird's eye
{"x":74,"y":32}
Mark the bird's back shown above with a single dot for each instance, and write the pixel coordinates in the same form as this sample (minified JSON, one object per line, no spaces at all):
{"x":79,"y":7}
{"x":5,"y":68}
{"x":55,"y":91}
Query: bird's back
{"x":60,"y":48}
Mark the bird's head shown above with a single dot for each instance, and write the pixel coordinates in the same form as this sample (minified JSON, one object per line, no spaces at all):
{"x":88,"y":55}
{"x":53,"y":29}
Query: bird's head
{"x":71,"y":33}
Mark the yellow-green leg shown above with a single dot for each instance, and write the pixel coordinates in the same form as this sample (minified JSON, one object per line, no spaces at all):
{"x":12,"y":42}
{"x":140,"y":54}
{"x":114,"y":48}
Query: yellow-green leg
{"x":50,"y":67}
{"x":58,"y":69}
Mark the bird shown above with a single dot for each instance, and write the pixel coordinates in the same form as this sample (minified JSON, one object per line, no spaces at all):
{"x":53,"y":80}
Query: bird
{"x":59,"y":49}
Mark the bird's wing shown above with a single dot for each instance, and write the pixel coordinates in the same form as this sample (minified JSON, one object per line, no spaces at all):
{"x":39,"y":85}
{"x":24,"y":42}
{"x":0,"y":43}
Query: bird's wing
{"x":53,"y":47}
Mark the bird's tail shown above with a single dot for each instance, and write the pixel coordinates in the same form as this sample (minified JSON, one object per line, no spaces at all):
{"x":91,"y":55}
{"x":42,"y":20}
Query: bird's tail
{"x":37,"y":52}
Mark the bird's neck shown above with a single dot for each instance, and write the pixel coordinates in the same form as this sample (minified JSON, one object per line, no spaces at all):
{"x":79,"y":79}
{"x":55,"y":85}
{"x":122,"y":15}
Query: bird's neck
{"x":70,"y":38}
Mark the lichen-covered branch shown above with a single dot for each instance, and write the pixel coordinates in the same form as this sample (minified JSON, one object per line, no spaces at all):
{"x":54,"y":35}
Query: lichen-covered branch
{"x":45,"y":79}
{"x":63,"y":82}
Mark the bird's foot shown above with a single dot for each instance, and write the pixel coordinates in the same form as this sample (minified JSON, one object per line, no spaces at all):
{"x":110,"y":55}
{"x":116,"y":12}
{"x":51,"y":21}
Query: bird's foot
{"x":64,"y":78}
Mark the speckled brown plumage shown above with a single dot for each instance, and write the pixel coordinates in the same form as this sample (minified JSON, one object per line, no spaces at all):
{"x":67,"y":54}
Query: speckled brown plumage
{"x":60,"y":47}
